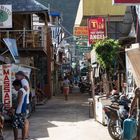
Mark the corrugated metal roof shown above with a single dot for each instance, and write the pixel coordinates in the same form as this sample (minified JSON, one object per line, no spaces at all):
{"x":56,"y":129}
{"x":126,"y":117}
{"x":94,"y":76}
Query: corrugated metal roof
{"x":134,"y":61}
{"x":25,"y":5}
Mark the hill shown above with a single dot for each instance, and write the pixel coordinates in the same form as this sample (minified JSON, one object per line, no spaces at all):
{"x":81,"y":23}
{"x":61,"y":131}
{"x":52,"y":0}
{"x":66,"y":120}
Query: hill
{"x":68,"y":9}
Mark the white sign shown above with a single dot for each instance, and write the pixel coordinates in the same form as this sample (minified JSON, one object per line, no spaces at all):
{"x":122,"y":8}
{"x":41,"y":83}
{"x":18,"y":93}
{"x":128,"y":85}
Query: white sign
{"x":7,"y":86}
{"x":5,"y":16}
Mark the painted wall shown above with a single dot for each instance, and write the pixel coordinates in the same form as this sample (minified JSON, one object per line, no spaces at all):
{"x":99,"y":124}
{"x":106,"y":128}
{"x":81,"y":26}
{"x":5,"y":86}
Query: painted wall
{"x":101,"y":7}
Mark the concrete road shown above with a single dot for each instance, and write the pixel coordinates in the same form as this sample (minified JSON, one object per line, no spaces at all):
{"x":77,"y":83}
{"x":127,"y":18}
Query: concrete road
{"x":64,"y":120}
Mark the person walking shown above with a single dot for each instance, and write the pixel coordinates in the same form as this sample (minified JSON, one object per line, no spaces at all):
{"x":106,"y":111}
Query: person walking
{"x":20,"y":110}
{"x":66,"y":84}
{"x":25,"y":84}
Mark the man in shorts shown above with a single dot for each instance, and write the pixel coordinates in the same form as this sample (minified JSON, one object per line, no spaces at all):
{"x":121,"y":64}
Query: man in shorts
{"x":20,"y":75}
{"x":20,"y":110}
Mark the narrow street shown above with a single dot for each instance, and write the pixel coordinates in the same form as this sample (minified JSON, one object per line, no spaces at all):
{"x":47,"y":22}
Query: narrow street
{"x":64,"y":120}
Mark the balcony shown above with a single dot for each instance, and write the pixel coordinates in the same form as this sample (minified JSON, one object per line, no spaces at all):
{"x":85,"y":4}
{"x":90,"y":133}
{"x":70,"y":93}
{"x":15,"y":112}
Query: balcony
{"x":27,"y":40}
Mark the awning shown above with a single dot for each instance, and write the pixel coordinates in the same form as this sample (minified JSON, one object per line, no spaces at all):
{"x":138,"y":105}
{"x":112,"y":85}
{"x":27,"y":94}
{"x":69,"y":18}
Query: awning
{"x":134,"y":59}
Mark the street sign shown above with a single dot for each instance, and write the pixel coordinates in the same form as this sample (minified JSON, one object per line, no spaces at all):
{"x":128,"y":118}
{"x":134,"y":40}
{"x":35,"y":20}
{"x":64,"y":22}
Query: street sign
{"x":5,"y":16}
{"x":130,"y":2}
{"x":7,"y":86}
{"x":96,"y":29}
{"x":82,"y":50}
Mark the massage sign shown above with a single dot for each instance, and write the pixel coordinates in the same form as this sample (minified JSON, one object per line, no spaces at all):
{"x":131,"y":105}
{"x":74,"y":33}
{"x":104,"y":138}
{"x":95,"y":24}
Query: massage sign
{"x":96,"y":29}
{"x":5,"y":16}
{"x":7,"y":87}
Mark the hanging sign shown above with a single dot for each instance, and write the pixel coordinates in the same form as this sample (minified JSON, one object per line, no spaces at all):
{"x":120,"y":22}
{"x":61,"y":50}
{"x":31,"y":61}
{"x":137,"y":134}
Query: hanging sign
{"x":7,"y":86}
{"x":81,"y":31}
{"x":96,"y":29}
{"x":5,"y":16}
{"x":128,"y":2}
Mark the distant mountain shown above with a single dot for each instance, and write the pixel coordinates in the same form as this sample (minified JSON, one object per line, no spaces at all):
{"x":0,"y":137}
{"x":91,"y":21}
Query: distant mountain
{"x":68,"y":9}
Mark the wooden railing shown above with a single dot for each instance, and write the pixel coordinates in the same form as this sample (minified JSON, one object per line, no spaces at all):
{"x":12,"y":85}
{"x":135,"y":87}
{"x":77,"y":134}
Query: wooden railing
{"x":25,"y":38}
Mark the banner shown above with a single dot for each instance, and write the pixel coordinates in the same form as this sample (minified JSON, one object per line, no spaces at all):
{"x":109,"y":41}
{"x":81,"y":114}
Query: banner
{"x":96,"y":29}
{"x":7,"y":86}
{"x":12,"y":46}
{"x":130,"y":2}
{"x":81,"y":31}
{"x":5,"y":16}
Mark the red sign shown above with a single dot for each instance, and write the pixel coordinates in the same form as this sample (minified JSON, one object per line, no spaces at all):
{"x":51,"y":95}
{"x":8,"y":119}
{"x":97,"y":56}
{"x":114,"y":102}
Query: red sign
{"x":7,"y":86}
{"x":96,"y":29}
{"x":131,"y":2}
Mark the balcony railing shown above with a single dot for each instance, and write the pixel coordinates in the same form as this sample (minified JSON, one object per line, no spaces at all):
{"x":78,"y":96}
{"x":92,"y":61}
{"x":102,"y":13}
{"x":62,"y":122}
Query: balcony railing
{"x":26,"y":38}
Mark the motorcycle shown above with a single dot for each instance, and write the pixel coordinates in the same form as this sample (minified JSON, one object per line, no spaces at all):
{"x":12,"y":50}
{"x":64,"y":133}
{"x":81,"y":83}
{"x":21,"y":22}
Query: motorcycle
{"x":116,"y":113}
{"x":85,"y":87}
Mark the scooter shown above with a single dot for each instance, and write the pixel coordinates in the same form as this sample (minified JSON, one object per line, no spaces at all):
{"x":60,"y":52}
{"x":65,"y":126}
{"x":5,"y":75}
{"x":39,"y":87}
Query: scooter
{"x":116,"y":113}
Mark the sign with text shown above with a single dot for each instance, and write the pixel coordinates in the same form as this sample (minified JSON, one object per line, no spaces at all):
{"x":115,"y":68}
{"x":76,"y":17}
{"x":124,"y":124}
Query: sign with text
{"x":7,"y":86}
{"x":81,"y":31}
{"x":130,"y":2}
{"x":96,"y":29}
{"x":5,"y":16}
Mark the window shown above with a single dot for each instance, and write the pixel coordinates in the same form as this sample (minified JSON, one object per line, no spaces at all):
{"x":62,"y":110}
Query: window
{"x":114,"y":29}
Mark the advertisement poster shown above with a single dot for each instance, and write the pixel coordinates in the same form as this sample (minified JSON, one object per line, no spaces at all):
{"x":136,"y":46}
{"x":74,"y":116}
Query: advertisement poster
{"x":7,"y":86}
{"x":96,"y":29}
{"x":130,"y":2}
{"x":81,"y":31}
{"x":5,"y":16}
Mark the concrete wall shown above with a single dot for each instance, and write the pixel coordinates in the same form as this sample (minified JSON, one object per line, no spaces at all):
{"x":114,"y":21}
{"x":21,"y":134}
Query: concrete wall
{"x":103,"y":7}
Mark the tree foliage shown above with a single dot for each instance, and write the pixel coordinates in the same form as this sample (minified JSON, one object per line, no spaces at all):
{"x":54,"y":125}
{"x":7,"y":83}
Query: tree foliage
{"x":107,"y":51}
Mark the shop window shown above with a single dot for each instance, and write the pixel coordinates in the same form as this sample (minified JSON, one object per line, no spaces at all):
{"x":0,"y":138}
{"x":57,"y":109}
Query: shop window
{"x":114,"y":29}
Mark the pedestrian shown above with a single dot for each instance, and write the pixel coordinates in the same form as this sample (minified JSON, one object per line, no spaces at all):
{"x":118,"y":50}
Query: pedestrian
{"x":66,"y":84}
{"x":20,"y":110}
{"x":25,"y":84}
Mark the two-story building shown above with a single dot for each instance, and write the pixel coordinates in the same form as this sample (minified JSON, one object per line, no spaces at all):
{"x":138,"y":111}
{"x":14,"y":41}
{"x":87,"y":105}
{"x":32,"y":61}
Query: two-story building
{"x":33,"y":38}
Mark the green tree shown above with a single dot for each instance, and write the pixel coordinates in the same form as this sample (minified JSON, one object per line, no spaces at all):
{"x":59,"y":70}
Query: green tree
{"x":107,"y":51}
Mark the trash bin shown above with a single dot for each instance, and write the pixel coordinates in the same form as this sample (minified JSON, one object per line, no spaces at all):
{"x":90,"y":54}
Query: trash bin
{"x":91,"y":107}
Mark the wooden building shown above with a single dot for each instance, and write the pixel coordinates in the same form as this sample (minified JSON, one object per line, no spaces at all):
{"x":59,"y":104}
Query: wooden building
{"x":33,"y":37}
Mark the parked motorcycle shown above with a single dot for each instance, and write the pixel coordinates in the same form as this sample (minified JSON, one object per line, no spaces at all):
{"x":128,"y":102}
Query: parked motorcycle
{"x":85,"y":87}
{"x":116,"y":113}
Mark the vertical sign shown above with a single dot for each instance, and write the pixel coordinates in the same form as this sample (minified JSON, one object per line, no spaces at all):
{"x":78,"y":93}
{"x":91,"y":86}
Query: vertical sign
{"x":5,"y":16}
{"x":7,"y":87}
{"x":96,"y":29}
{"x":131,"y":2}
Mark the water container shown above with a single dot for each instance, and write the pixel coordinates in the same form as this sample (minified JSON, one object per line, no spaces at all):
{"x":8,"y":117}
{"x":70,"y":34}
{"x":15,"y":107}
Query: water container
{"x":129,"y":129}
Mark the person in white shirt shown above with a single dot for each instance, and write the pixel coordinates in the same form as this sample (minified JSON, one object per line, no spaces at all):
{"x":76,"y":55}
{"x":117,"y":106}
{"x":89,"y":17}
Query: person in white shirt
{"x":20,"y":110}
{"x":25,"y":84}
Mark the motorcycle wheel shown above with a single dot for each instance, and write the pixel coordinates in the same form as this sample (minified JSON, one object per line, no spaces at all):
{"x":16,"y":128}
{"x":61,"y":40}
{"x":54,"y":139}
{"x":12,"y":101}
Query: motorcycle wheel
{"x":114,"y":129}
